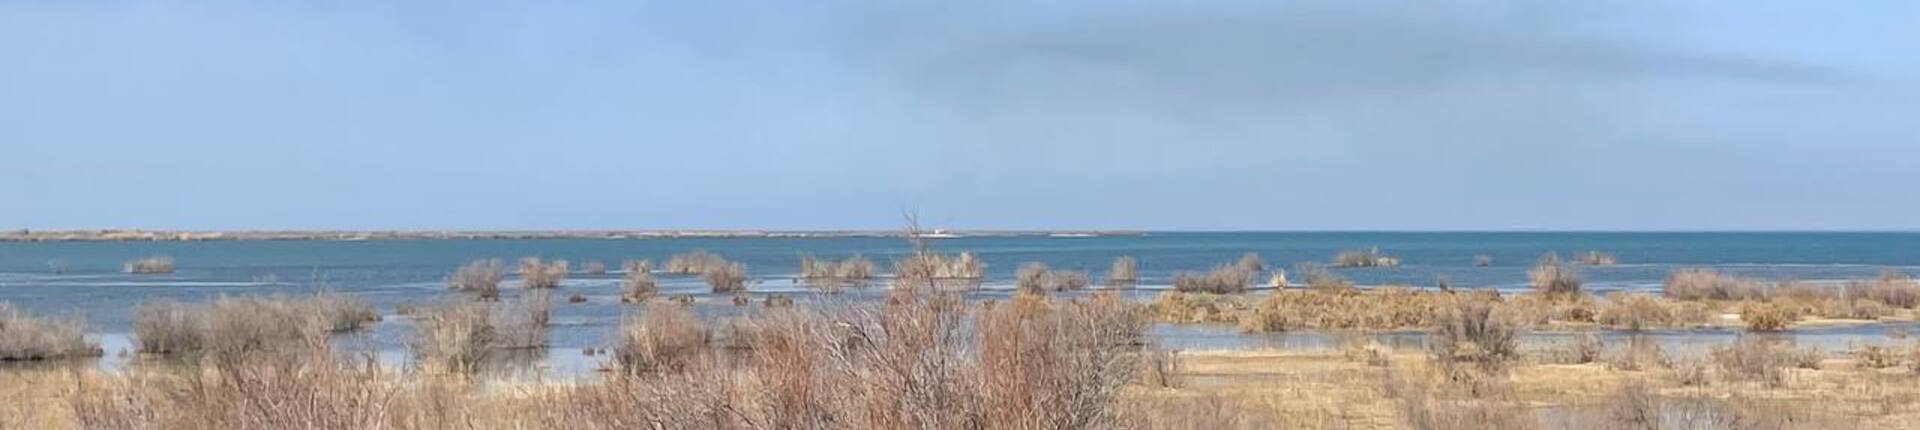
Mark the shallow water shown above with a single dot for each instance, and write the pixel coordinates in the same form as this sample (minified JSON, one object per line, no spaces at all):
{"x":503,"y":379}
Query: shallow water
{"x":84,"y":278}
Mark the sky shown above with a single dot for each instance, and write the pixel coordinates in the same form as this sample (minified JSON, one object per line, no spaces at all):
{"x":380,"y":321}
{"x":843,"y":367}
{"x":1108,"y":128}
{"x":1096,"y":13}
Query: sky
{"x":721,"y":114}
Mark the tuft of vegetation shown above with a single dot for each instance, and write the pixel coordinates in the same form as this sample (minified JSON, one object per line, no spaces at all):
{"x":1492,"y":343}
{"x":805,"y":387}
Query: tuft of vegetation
{"x":1482,"y":260}
{"x":1228,"y":279}
{"x":1036,"y":278}
{"x":1251,"y":263}
{"x":595,"y":268}
{"x":479,"y":276}
{"x":166,"y":326}
{"x":1125,"y":272}
{"x":1476,"y":331}
{"x":641,"y":265}
{"x":26,"y":337}
{"x":1364,"y":258}
{"x":695,"y":262}
{"x":727,"y":278}
{"x":149,"y":265}
{"x":638,"y":286}
{"x":1320,"y":279}
{"x":454,"y":336}
{"x":536,"y":274}
{"x":667,"y":338}
{"x":829,"y":276}
{"x":1767,"y":317}
{"x":1554,"y":279}
{"x":1638,"y":312}
{"x":1707,"y":284}
{"x":1892,"y":288}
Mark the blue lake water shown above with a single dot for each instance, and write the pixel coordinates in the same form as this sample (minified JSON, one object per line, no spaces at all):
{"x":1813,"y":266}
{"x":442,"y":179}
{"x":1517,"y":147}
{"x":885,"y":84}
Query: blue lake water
{"x":85,"y":278}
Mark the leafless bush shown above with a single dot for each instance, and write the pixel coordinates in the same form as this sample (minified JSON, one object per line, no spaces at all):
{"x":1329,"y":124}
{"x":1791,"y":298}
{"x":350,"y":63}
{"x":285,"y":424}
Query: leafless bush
{"x":667,"y":338}
{"x":1323,"y":280}
{"x":1161,"y":368}
{"x":1482,"y":260}
{"x":342,"y":312}
{"x":1640,"y":353}
{"x":1894,"y":289}
{"x":1125,"y":272}
{"x":1552,"y":278}
{"x":1475,"y":331}
{"x":694,"y":262}
{"x":1757,"y":359}
{"x":637,"y":286}
{"x":595,"y":268}
{"x":523,"y":323}
{"x":1364,"y":258}
{"x":727,"y":278}
{"x":273,"y":329}
{"x":1706,"y":284}
{"x":829,"y":276}
{"x":1877,"y":356}
{"x":479,"y":276}
{"x":1229,"y":279}
{"x":24,"y":336}
{"x":631,"y":266}
{"x":455,"y":336}
{"x":165,"y":326}
{"x":1251,"y":263}
{"x":1637,"y":312}
{"x":1768,"y":316}
{"x":538,"y":274}
{"x":150,"y":265}
{"x":1178,"y":307}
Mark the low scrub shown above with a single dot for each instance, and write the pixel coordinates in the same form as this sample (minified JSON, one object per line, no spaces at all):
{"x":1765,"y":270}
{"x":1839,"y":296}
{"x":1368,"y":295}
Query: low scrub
{"x":166,"y":326}
{"x":1125,"y":272}
{"x":1894,"y":289}
{"x":1476,"y":331}
{"x":1552,"y":278}
{"x":694,"y":262}
{"x":24,"y":336}
{"x":1759,"y":359}
{"x":242,"y":326}
{"x":1229,"y":279}
{"x":1037,"y":278}
{"x":149,"y":265}
{"x":1766,"y":317}
{"x":638,"y":286}
{"x":536,"y":274}
{"x":1320,"y":279}
{"x":1637,"y":312}
{"x":594,"y":268}
{"x":829,"y":275}
{"x":481,"y":277}
{"x":454,"y":336}
{"x":727,"y":278}
{"x":1192,"y":308}
{"x":1597,"y":258}
{"x":642,"y":265}
{"x":666,"y":338}
{"x":1706,"y":284}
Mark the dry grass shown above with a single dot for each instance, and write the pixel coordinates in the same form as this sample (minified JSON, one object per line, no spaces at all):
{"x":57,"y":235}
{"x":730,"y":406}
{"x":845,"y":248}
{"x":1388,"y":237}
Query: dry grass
{"x":479,"y":276}
{"x":938,"y":271}
{"x":1892,"y":288}
{"x":1706,"y":284}
{"x":1552,"y":278}
{"x":246,"y":325}
{"x":638,"y":286}
{"x":694,"y":262}
{"x":166,"y":326}
{"x":1188,"y":308}
{"x":726,"y":278}
{"x":149,"y":265}
{"x":1322,"y":280}
{"x":1476,"y":331}
{"x":1364,"y":258}
{"x":1036,"y":278}
{"x":594,"y":268}
{"x":536,"y":274}
{"x":642,"y":265}
{"x":1638,"y":312}
{"x":667,"y":338}
{"x":1124,"y":272}
{"x":1482,"y":260}
{"x":454,"y":336}
{"x":26,"y":337}
{"x":1384,"y":309}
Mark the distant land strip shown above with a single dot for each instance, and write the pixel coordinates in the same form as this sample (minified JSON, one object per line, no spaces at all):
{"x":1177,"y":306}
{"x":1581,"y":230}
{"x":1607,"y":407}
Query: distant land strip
{"x":24,"y":235}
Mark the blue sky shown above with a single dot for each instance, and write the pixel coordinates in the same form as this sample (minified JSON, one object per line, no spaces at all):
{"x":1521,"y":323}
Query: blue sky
{"x":991,"y":114}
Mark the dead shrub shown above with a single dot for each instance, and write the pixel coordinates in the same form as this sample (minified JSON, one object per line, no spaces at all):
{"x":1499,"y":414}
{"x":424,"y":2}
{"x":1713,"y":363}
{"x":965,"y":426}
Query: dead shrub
{"x":667,"y":338}
{"x":1161,"y":368}
{"x":166,"y":326}
{"x":1475,"y":331}
{"x":694,"y":262}
{"x":1597,"y":258}
{"x":1322,"y":280}
{"x":638,"y":286}
{"x":1552,"y":278}
{"x":455,"y":336}
{"x":25,"y":337}
{"x":641,"y":265}
{"x":1707,"y":284}
{"x":594,"y":268}
{"x":1638,"y":312}
{"x":1482,"y":260}
{"x":1892,"y":288}
{"x":1229,"y":279}
{"x":1125,"y":272}
{"x":537,"y":274}
{"x":342,"y":312}
{"x":479,"y":276}
{"x":1768,"y":317}
{"x":1756,"y":359}
{"x":1640,"y":353}
{"x":1877,"y":357}
{"x":829,"y":276}
{"x":1178,"y":307}
{"x":727,"y":278}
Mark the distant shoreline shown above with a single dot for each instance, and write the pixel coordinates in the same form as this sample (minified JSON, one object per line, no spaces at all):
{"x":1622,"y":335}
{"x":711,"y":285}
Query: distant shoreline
{"x":368,"y":235}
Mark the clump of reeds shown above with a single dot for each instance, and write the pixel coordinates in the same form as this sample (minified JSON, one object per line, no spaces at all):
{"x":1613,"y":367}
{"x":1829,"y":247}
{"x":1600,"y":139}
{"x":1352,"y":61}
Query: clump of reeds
{"x":1482,"y":260}
{"x":454,"y":336}
{"x":829,"y":275}
{"x":1179,"y":307}
{"x":667,"y":338}
{"x":1637,"y":312}
{"x":1878,"y":356}
{"x":150,"y":265}
{"x":342,"y":312}
{"x":1597,"y":258}
{"x":595,"y":268}
{"x":1755,"y":358}
{"x":1251,"y":263}
{"x":641,"y":265}
{"x":694,"y":262}
{"x":1383,"y":309}
{"x":1364,"y":258}
{"x":638,"y":286}
{"x":523,"y":323}
{"x":1227,"y":279}
{"x":166,"y":326}
{"x":24,"y":336}
{"x":1707,"y":284}
{"x":1125,"y":272}
{"x":924,"y":270}
{"x":1768,"y":316}
{"x":1037,"y":278}
{"x":479,"y":276}
{"x":1552,"y":278}
{"x":726,"y":278}
{"x":1640,"y":353}
{"x":244,"y":330}
{"x":538,"y":274}
{"x":1475,"y":331}
{"x":1893,"y":288}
